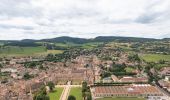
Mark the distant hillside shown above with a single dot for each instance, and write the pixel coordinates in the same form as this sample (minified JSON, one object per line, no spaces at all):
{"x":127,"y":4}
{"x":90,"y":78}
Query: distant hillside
{"x":121,"y":39}
{"x":66,"y":39}
{"x":166,"y":39}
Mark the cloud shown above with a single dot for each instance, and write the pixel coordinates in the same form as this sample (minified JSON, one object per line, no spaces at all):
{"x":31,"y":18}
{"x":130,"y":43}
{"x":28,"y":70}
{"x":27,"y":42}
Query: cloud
{"x":37,"y":19}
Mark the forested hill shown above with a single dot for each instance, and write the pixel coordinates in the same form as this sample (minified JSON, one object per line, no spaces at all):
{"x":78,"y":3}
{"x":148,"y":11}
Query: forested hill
{"x":65,"y":39}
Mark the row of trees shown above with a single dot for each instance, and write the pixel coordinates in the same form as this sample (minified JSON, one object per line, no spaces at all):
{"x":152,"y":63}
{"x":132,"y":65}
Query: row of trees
{"x":42,"y":93}
{"x":86,"y":94}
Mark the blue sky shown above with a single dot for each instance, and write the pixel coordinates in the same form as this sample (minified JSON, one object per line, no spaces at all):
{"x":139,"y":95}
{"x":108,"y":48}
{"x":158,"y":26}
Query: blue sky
{"x":38,"y":19}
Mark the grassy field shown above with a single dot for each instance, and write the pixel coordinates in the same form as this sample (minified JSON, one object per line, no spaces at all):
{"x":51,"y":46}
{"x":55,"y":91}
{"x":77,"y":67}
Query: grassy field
{"x":155,"y":57}
{"x":12,"y":50}
{"x":91,"y":45}
{"x":129,"y":69}
{"x":26,"y":51}
{"x":76,"y":91}
{"x":51,"y":52}
{"x":121,"y":99}
{"x":56,"y":94}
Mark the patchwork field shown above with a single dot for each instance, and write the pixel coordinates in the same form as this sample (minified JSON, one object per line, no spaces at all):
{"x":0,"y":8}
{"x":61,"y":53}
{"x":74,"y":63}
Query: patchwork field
{"x":155,"y":57}
{"x":26,"y":51}
{"x":56,"y":94}
{"x":121,"y":99}
{"x":76,"y":91}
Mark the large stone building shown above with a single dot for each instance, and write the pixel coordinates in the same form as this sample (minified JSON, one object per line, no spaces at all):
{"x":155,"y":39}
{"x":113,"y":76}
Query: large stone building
{"x":140,"y":90}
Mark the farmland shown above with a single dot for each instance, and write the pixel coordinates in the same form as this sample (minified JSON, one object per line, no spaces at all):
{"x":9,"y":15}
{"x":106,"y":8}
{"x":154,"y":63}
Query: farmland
{"x":155,"y":57}
{"x":25,"y":51}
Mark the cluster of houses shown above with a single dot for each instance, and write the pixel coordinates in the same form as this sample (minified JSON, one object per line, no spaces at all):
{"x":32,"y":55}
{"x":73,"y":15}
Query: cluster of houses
{"x":165,"y":83}
{"x":16,"y":88}
{"x":83,"y":68}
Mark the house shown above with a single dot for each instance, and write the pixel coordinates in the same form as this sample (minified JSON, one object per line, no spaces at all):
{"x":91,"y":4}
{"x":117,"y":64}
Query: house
{"x":11,"y":70}
{"x":165,"y":71}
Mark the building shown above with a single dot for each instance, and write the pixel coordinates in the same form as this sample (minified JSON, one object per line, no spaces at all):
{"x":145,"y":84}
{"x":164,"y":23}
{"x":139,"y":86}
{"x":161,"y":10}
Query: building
{"x":114,"y":78}
{"x":134,"y":79}
{"x":140,"y":90}
{"x":165,"y":71}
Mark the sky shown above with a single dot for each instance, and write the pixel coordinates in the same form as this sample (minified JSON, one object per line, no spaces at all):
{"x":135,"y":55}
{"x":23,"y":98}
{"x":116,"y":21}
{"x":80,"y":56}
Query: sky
{"x":39,"y":19}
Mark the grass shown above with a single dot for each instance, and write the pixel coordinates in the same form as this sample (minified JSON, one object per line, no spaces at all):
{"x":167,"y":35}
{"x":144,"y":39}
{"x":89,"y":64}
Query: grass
{"x":11,"y":51}
{"x":56,"y":94}
{"x":121,"y":98}
{"x":51,"y":52}
{"x":155,"y":57}
{"x":14,"y":50}
{"x":129,"y":69}
{"x":76,"y":91}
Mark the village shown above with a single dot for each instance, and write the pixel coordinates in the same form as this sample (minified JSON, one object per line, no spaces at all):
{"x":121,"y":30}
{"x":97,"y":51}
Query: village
{"x":21,"y":77}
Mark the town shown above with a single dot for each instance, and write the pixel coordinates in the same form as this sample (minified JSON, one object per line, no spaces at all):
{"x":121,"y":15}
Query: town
{"x":109,"y":71}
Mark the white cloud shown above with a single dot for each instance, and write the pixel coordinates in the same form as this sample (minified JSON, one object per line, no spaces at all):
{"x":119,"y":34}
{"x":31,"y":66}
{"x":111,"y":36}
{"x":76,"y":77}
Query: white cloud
{"x":37,"y":19}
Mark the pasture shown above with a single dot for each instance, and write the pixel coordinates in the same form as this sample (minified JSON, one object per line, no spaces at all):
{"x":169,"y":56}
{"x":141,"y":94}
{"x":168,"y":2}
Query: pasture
{"x":155,"y":57}
{"x":12,"y":51}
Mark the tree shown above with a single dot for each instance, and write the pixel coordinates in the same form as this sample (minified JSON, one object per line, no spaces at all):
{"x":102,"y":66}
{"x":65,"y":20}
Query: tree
{"x":27,"y":76}
{"x":51,"y":86}
{"x":41,"y":95}
{"x":71,"y":97}
{"x":1,"y":66}
{"x":84,"y":86}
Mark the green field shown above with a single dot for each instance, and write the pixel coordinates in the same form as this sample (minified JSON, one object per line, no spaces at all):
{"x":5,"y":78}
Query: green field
{"x":122,"y":99}
{"x":129,"y":69}
{"x":26,"y":51}
{"x":56,"y":94}
{"x":51,"y":52}
{"x":155,"y":57}
{"x":76,"y":91}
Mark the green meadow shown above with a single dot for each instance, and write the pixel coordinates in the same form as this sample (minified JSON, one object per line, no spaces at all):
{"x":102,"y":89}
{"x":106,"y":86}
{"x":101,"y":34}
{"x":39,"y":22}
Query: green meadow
{"x":155,"y":57}
{"x":10,"y":51}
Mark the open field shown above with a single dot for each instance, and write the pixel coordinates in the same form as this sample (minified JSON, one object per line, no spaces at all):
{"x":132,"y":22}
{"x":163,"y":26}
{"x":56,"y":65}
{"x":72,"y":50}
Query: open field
{"x":56,"y":94}
{"x":122,"y":99}
{"x":13,"y":50}
{"x":155,"y":57}
{"x":51,"y":52}
{"x":76,"y":91}
{"x":26,"y":51}
{"x":129,"y":69}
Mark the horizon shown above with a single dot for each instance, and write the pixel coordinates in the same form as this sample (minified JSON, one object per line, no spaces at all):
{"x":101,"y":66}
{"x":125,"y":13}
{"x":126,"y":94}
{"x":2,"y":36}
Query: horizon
{"x":44,"y":19}
{"x":86,"y":38}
